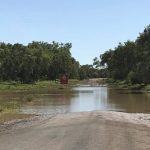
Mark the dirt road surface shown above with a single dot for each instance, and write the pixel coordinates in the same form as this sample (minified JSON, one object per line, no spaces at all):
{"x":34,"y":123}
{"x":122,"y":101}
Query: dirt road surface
{"x":81,"y":131}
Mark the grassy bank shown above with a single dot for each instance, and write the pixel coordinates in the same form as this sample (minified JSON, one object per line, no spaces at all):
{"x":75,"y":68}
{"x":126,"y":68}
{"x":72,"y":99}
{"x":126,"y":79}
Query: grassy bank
{"x":9,"y":108}
{"x":12,"y":85}
{"x":118,"y":84}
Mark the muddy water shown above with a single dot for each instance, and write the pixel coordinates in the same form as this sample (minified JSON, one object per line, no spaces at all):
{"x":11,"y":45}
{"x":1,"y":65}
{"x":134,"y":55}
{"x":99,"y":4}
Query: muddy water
{"x":79,"y":99}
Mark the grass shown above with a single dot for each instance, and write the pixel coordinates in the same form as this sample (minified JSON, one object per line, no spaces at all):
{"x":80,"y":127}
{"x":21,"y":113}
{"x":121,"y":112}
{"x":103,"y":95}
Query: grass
{"x":147,"y":87}
{"x":127,"y":85}
{"x":9,"y":107}
{"x":12,"y":85}
{"x":18,"y":86}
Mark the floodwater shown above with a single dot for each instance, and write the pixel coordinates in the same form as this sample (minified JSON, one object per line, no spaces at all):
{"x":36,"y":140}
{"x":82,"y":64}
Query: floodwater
{"x":79,"y":99}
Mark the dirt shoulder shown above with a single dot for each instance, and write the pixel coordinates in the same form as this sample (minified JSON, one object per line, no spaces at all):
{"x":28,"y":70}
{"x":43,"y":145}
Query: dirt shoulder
{"x":87,"y":130}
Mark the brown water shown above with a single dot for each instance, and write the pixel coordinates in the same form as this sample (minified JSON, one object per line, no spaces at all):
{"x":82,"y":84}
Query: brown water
{"x":79,"y":99}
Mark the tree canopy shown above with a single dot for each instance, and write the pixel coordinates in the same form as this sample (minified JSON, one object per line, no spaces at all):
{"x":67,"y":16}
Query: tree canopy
{"x":130,"y":61}
{"x":36,"y":61}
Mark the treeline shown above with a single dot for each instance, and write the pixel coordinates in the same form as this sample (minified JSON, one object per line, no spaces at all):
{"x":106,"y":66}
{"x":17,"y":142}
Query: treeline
{"x":36,"y":61}
{"x":90,"y":71}
{"x":42,"y":61}
{"x":129,"y":61}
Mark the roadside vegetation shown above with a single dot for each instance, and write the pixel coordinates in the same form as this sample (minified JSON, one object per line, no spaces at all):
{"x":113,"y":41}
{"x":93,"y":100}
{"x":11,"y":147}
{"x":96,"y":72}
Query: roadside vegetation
{"x":36,"y":61}
{"x":128,"y":64}
{"x":40,"y":64}
{"x":9,"y":109}
{"x":37,"y":65}
{"x":14,"y":85}
{"x":122,"y":84}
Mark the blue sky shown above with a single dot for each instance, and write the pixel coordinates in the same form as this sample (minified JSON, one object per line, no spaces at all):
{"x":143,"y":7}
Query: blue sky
{"x":92,"y":26}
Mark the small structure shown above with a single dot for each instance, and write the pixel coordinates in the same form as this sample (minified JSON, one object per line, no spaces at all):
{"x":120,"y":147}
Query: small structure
{"x":64,"y":80}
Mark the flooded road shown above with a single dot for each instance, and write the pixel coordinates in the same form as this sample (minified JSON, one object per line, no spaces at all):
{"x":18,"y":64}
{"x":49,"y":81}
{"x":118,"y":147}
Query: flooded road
{"x":79,"y":99}
{"x":82,"y":99}
{"x":87,"y":129}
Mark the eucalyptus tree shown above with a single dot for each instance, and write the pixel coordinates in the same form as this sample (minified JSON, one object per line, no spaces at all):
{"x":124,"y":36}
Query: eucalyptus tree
{"x":130,"y":60}
{"x":36,"y":61}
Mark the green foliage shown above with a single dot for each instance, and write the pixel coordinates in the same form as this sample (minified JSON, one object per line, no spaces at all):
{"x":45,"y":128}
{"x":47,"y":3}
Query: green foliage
{"x":133,"y":77}
{"x":13,"y":86}
{"x":130,"y":61}
{"x":137,"y":86}
{"x":96,"y":62}
{"x":36,"y":61}
{"x":89,"y":71}
{"x":147,"y":87}
{"x":9,"y":107}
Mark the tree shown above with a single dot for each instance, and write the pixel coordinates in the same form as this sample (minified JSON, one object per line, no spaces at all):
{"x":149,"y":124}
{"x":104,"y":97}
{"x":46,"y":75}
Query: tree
{"x":36,"y":61}
{"x":131,"y":60}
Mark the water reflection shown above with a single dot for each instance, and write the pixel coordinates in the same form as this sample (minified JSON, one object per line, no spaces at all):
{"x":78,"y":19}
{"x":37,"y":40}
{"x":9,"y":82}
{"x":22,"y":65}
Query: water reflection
{"x":128,"y":101}
{"x":89,"y":99}
{"x":81,"y":99}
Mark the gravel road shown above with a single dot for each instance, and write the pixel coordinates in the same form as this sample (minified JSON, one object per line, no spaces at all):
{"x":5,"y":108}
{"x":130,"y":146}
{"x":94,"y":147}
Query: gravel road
{"x":81,"y":131}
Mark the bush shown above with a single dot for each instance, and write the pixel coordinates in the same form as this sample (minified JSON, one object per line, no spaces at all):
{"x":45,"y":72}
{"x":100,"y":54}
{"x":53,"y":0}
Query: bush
{"x":137,"y":86}
{"x":147,"y":87}
{"x":133,"y":77}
